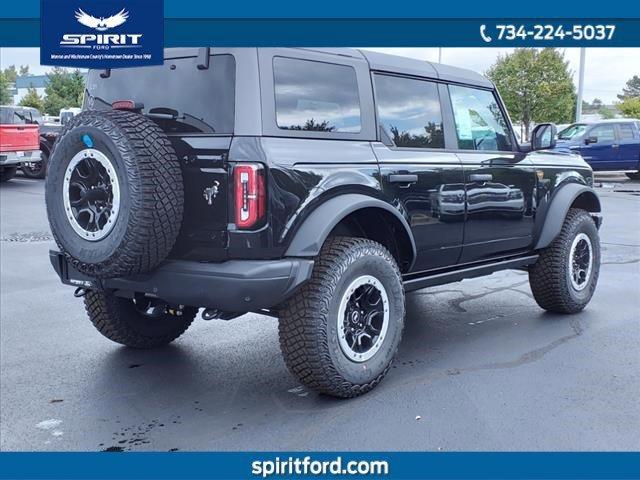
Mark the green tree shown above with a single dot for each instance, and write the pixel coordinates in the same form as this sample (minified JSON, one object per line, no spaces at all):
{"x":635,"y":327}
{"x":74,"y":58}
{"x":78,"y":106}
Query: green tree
{"x":631,"y":89}
{"x":32,"y":99}
{"x":536,"y":86}
{"x":64,"y":90}
{"x":607,"y":113}
{"x":11,"y":73}
{"x":630,"y":107}
{"x":5,"y":95}
{"x":24,"y":70}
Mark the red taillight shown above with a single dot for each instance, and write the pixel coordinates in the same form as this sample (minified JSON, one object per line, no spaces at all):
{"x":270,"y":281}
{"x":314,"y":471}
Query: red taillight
{"x":249,"y":193}
{"x":126,"y":105}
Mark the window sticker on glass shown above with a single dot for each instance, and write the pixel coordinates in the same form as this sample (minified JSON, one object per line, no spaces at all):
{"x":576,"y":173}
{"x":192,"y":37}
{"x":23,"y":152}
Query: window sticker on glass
{"x":463,"y":122}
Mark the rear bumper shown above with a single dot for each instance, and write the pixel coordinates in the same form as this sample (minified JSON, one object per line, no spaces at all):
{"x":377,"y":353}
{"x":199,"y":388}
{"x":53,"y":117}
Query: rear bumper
{"x":15,"y":158}
{"x":232,"y":286}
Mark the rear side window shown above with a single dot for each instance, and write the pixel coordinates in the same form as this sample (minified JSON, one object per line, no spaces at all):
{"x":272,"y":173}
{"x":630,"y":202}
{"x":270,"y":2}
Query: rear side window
{"x":626,"y":131}
{"x":316,"y":96}
{"x":480,"y":124}
{"x":603,"y":133}
{"x":409,"y":110}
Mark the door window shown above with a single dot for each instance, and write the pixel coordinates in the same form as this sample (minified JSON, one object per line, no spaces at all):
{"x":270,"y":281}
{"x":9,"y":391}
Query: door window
{"x":409,"y":110}
{"x":603,"y":133}
{"x":480,"y":124}
{"x":316,"y":96}
{"x":626,"y":131}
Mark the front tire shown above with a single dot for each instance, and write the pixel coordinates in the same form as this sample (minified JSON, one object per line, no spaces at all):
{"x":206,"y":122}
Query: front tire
{"x":565,"y":275}
{"x":340,"y":332}
{"x":134,"y":323}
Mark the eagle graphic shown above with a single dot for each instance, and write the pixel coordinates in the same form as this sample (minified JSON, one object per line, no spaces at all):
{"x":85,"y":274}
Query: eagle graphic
{"x":101,"y":24}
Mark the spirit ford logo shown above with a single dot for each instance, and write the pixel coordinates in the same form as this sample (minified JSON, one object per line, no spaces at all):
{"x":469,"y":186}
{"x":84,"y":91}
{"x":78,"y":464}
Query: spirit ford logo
{"x":101,"y":24}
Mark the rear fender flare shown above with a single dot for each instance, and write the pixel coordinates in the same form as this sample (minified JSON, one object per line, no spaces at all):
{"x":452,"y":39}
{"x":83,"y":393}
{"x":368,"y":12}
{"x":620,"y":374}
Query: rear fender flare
{"x":313,"y":232}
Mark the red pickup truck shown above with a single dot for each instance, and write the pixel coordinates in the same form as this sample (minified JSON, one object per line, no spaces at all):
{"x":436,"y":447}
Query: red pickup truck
{"x":19,"y":140}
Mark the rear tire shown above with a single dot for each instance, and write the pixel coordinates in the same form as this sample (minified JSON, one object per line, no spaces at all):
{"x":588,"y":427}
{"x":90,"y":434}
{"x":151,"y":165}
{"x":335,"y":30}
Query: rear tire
{"x":565,"y":275}
{"x":40,"y":170}
{"x":355,"y":291}
{"x":119,"y":320}
{"x":7,"y":173}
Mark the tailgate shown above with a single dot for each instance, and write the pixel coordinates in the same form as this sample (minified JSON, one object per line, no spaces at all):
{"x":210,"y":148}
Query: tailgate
{"x":19,"y":138}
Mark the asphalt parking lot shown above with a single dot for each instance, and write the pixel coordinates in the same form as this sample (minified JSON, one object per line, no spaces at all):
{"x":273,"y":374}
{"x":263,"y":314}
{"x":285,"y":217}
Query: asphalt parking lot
{"x":481,"y":367}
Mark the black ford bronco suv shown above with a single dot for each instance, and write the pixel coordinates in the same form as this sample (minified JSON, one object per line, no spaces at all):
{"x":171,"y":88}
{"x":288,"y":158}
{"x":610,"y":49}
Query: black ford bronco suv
{"x":316,"y":186}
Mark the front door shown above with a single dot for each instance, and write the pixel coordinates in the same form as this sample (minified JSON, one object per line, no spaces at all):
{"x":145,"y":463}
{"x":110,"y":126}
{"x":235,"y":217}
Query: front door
{"x":417,"y":175}
{"x":499,"y":182}
{"x":600,"y":147}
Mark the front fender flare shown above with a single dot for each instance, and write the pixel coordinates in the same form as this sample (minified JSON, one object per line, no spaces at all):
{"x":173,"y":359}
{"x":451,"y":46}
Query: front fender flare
{"x":558,"y":209}
{"x":313,"y":232}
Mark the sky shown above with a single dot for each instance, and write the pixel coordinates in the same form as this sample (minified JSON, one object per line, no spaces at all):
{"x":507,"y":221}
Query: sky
{"x":606,"y":69}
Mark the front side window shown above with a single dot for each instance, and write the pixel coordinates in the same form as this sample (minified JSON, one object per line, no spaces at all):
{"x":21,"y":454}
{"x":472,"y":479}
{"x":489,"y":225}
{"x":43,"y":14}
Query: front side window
{"x":409,"y":110}
{"x":316,"y":96}
{"x":572,"y":131}
{"x":480,"y":124}
{"x":603,"y":133}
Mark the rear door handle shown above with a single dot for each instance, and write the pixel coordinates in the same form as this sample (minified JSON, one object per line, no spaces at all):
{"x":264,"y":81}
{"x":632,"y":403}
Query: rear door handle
{"x":615,"y":145}
{"x":480,"y":177}
{"x":403,"y":178}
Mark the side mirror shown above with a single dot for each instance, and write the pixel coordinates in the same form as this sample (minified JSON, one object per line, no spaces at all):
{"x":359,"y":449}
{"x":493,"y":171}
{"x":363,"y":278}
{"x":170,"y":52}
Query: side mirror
{"x":543,"y":136}
{"x":590,"y":140}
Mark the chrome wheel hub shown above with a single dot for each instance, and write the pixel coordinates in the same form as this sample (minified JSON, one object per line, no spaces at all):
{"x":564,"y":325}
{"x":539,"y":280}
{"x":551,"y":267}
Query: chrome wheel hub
{"x":91,"y":194}
{"x":363,"y":318}
{"x":580,"y":261}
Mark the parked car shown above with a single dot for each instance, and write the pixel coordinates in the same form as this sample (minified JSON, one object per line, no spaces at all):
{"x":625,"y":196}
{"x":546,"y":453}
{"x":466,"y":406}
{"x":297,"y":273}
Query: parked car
{"x":48,"y":134}
{"x":605,"y":145}
{"x":18,"y":140}
{"x":276,"y":184}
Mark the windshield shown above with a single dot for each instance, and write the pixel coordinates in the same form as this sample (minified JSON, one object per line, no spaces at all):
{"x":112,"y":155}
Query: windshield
{"x":571,"y":131}
{"x":177,"y":95}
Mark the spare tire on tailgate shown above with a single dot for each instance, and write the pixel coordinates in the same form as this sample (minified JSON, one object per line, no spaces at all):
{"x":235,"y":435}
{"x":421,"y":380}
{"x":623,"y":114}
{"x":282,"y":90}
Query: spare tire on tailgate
{"x":114,"y":193}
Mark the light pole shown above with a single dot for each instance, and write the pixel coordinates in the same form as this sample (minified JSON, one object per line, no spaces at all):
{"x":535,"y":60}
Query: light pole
{"x":580,"y":85}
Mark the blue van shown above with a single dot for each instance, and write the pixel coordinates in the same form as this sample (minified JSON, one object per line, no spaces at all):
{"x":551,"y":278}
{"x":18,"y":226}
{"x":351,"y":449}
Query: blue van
{"x":605,"y":145}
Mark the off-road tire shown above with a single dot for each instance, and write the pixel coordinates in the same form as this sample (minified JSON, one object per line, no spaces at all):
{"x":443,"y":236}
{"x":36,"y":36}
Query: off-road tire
{"x":549,"y":277}
{"x":151,"y":193}
{"x":117,"y":319}
{"x":7,"y":173}
{"x":41,"y":171}
{"x":308,"y":321}
{"x":633,"y":175}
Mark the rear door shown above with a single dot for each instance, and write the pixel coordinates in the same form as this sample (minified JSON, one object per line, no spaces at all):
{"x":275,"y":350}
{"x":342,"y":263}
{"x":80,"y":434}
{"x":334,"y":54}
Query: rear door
{"x":499,"y":181}
{"x":629,"y":145}
{"x":417,"y":174}
{"x":600,"y":147}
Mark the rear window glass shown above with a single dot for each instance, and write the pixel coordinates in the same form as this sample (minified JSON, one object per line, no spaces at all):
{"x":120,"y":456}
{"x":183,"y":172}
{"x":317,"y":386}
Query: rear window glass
{"x":177,"y":95}
{"x":409,"y":110}
{"x":14,"y":116}
{"x":316,"y":96}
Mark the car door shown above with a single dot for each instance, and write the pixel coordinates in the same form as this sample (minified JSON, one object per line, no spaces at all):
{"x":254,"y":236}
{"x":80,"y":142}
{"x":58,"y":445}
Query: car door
{"x":417,"y":173}
{"x":629,"y":146}
{"x":499,"y":180}
{"x":600,"y":148}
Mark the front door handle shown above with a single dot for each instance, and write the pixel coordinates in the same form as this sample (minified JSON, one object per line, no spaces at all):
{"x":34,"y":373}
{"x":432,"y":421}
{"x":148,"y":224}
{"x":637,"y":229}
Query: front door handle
{"x":615,"y":146}
{"x":403,"y":178}
{"x":480,"y":177}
